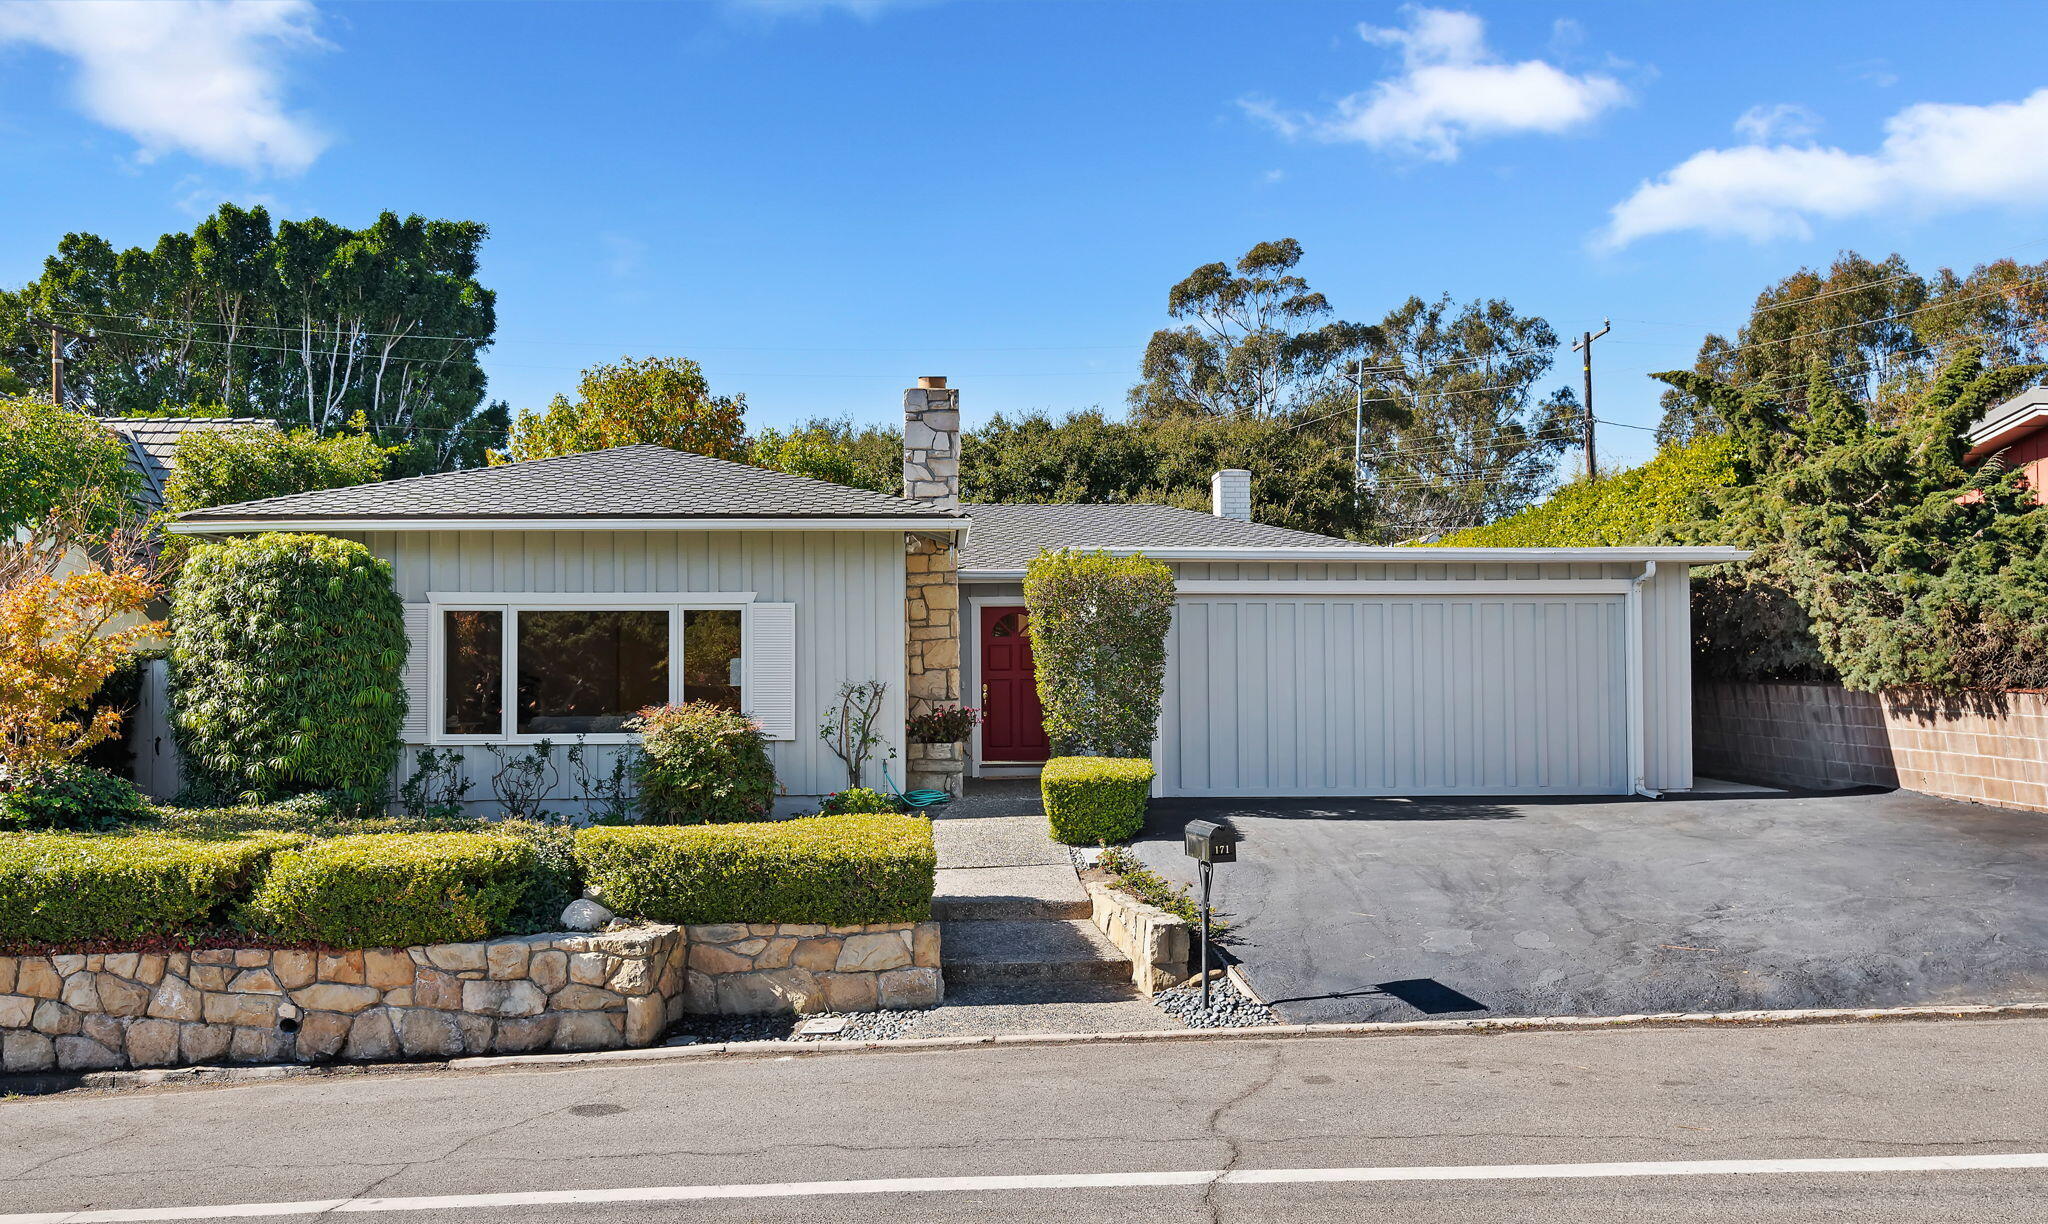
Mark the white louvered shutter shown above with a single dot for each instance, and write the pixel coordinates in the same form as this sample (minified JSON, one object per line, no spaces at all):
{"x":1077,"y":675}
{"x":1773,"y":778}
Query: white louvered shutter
{"x":418,"y":621}
{"x":768,"y":650}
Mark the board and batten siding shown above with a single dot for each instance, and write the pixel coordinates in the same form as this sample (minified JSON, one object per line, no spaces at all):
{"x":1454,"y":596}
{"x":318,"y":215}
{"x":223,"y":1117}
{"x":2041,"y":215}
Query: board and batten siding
{"x":1666,"y":650}
{"x":847,"y":587}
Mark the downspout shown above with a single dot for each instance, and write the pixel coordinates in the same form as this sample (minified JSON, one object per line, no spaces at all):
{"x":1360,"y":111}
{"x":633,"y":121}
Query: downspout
{"x":1638,"y":737}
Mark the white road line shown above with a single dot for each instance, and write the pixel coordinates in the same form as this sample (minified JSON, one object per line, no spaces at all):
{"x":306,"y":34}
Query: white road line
{"x":1052,"y":1181}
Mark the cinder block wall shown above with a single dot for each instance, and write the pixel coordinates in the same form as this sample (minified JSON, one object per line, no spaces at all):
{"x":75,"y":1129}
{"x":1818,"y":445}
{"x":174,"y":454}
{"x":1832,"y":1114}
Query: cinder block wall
{"x":1987,"y":748}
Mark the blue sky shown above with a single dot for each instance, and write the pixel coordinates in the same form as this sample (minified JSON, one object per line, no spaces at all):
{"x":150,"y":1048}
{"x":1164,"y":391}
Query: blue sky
{"x":820,"y":201}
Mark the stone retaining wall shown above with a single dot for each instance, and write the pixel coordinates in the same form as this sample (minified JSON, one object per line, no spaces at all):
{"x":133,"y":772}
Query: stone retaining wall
{"x":1985,"y":748}
{"x":134,"y":1009}
{"x":747,"y":970}
{"x":1157,"y":943}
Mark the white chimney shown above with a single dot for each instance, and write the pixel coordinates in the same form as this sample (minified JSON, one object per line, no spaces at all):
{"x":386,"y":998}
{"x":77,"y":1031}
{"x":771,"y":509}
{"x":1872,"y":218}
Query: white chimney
{"x":931,"y":442}
{"x":1230,"y":494}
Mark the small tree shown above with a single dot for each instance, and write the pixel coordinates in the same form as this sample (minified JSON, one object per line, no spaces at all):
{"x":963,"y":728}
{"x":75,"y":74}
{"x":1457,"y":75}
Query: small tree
{"x":57,"y":460}
{"x":849,"y":727}
{"x":218,"y":467}
{"x":66,"y":625}
{"x":1098,"y":635}
{"x":285,"y":666}
{"x":660,"y":400}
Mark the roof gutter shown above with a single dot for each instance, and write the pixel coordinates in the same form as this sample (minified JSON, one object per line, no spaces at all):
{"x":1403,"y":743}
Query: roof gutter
{"x":1671,"y":555}
{"x":188,"y":526}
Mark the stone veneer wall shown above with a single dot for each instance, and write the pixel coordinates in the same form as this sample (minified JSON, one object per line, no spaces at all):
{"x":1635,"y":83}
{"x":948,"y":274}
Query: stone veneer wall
{"x":931,"y":472}
{"x":1991,"y":748}
{"x":746,"y":970}
{"x":1157,"y":943}
{"x":625,"y":987}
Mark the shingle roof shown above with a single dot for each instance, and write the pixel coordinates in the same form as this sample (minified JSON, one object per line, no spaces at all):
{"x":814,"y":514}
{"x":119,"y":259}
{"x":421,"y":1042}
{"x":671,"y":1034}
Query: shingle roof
{"x":624,"y":482}
{"x":1007,"y":537}
{"x":153,"y":445}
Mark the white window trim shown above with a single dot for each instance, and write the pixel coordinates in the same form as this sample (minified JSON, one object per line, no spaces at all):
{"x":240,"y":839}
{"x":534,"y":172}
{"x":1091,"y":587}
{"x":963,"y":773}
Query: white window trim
{"x":509,"y":605}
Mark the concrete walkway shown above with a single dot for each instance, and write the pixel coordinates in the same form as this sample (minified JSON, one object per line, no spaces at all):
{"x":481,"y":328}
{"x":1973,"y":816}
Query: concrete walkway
{"x":1020,"y":952}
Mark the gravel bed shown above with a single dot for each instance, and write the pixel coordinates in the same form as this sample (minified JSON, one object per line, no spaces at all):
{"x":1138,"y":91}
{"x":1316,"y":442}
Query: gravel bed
{"x":860,"y":1026}
{"x":1227,"y":1008}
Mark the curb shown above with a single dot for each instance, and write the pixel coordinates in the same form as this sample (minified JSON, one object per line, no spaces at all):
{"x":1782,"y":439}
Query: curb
{"x":107,"y":1081}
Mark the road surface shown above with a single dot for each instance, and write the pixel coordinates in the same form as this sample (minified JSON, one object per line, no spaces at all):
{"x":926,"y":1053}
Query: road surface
{"x":1923,"y":1121}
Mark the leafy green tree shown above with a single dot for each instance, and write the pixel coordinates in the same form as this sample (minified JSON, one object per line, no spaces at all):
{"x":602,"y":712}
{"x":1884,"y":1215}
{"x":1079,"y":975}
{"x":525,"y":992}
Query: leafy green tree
{"x":218,"y":467}
{"x":53,"y":457}
{"x":1465,"y":437}
{"x":845,"y":453}
{"x":306,"y":322}
{"x":663,"y":401}
{"x":1909,"y":569}
{"x":1646,"y":504}
{"x":1255,"y":342}
{"x":1301,"y":471}
{"x":1881,"y":331}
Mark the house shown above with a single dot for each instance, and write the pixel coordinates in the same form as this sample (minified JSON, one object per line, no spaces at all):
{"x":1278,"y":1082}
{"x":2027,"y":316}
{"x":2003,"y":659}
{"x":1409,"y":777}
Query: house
{"x":2015,"y":434}
{"x":552,"y":598}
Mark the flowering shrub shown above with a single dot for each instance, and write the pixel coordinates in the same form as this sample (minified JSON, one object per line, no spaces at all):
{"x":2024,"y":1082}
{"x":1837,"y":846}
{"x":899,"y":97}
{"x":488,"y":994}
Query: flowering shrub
{"x":943,"y":725}
{"x":702,"y":763}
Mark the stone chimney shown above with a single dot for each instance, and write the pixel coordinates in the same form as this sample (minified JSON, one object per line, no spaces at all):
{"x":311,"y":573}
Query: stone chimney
{"x":1230,"y":494}
{"x":931,"y":442}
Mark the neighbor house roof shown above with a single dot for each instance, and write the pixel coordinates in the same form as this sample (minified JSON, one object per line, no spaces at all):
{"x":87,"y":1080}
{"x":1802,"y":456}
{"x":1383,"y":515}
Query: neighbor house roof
{"x":623,"y":488}
{"x":1007,"y":537}
{"x":153,"y":445}
{"x":2023,"y":414}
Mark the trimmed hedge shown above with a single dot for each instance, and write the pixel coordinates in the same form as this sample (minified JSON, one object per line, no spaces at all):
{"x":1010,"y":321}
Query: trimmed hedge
{"x":836,"y":870}
{"x":385,"y":890}
{"x":1090,"y":801}
{"x":81,"y":888}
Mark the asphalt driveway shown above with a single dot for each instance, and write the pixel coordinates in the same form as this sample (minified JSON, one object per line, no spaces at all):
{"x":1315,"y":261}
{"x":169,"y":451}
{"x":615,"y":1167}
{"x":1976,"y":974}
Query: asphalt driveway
{"x":1389,"y":909}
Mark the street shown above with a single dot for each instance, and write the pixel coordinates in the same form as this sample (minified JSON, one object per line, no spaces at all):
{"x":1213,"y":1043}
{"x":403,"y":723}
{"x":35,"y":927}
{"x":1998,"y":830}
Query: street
{"x":1909,"y":1122}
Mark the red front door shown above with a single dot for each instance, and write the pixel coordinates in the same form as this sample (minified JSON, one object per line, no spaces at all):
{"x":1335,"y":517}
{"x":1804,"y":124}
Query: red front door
{"x":1013,"y":725}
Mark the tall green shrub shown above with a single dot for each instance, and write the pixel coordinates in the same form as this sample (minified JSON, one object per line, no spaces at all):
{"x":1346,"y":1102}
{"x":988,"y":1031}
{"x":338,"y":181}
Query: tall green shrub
{"x":216,"y":467}
{"x":51,"y":455}
{"x":285,"y":667}
{"x":1098,"y":635}
{"x":1645,"y":504}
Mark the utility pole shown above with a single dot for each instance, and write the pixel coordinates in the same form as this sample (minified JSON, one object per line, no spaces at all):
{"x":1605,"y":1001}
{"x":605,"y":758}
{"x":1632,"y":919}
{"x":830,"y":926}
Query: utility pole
{"x":1585,"y":345}
{"x":58,"y":338}
{"x":1358,"y":428}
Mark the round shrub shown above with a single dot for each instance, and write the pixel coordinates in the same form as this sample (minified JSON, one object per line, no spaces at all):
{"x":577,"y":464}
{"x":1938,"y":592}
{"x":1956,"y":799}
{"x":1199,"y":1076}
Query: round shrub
{"x":389,"y":890}
{"x":856,"y":801}
{"x":71,"y":797}
{"x":285,"y":667}
{"x":700,"y":764}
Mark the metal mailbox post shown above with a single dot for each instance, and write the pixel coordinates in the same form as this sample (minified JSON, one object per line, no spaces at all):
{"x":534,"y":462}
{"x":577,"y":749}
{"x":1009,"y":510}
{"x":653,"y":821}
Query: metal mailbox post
{"x":1208,"y":842}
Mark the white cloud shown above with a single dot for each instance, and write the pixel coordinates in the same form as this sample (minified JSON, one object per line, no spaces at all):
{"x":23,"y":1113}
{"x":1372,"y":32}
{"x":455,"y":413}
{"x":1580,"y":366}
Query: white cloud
{"x":193,"y":76}
{"x":866,"y":10}
{"x":1785,"y":121}
{"x":1451,"y":88}
{"x":1935,"y":158}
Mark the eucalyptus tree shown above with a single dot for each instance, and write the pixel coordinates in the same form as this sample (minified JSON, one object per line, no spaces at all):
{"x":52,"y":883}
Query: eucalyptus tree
{"x":307,"y":323}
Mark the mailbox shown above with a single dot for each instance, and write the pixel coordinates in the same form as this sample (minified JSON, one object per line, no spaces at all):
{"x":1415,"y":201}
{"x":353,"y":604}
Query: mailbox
{"x":1209,"y":841}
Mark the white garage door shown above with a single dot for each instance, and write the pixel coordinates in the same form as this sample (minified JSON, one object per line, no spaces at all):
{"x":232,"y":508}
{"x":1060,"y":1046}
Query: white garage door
{"x":1396,"y":695}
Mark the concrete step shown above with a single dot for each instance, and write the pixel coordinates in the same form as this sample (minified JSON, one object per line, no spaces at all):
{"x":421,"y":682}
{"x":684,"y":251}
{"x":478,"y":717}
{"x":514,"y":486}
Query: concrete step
{"x":992,"y":894}
{"x":1044,"y":950}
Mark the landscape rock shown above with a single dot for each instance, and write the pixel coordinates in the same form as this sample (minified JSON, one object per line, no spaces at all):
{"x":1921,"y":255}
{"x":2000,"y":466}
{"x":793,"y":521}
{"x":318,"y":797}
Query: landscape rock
{"x":583,"y":914}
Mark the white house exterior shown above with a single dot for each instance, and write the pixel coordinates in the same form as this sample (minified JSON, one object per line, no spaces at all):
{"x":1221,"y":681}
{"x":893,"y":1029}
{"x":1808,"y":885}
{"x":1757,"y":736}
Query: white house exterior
{"x":549,"y":598}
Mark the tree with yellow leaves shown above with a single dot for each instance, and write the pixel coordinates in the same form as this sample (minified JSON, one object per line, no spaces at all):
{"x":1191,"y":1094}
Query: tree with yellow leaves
{"x":660,"y":400}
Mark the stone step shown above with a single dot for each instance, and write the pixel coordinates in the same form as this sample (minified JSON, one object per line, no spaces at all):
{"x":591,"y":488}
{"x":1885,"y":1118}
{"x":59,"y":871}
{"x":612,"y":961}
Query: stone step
{"x":990,"y":894}
{"x":1043,"y":950}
